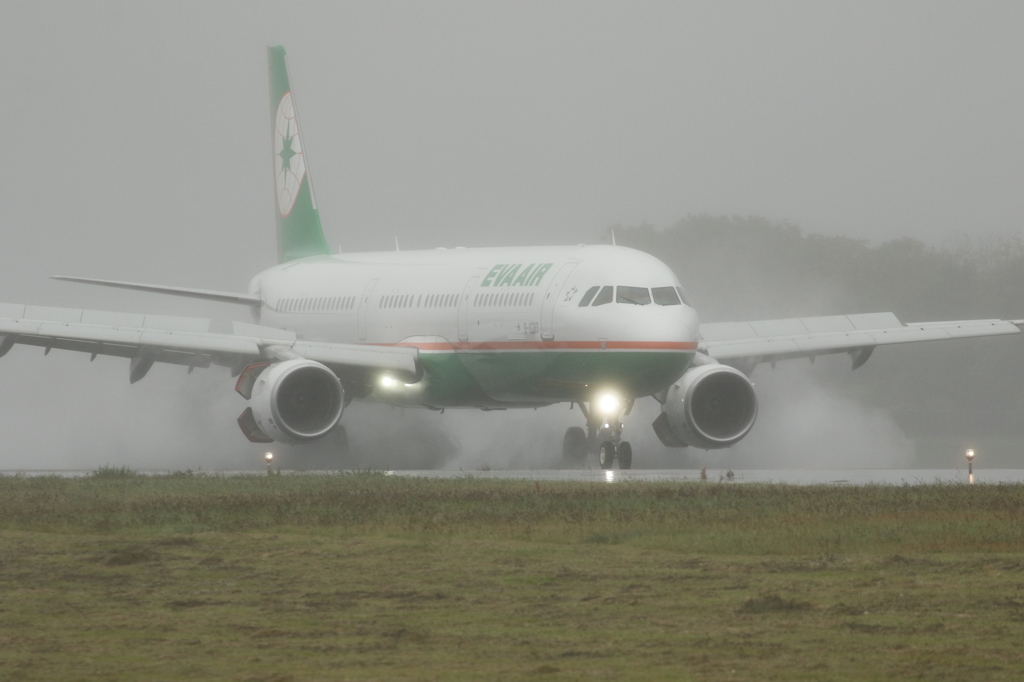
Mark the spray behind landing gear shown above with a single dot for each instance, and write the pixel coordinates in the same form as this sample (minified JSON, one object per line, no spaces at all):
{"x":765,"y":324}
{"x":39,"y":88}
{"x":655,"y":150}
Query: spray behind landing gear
{"x":603,"y":436}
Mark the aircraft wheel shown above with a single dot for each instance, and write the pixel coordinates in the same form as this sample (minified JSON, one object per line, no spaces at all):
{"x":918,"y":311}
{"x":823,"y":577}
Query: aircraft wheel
{"x":607,"y":454}
{"x":574,"y":445}
{"x":625,"y":455}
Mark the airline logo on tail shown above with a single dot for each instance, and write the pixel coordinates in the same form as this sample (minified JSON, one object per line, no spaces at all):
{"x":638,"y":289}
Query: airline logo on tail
{"x":289,"y":162}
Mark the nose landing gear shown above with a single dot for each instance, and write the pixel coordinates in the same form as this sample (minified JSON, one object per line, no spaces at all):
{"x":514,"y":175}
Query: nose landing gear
{"x":609,"y":452}
{"x":603,"y":436}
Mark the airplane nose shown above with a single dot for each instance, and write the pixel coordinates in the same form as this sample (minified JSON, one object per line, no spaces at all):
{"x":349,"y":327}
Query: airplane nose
{"x":664,"y":323}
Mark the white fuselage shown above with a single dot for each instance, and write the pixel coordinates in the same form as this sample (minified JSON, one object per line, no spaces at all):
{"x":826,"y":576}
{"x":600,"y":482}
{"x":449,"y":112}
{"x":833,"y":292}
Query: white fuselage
{"x":511,"y":317}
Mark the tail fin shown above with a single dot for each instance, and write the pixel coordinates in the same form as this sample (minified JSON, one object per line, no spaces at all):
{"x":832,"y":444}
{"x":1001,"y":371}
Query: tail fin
{"x":299,"y":233}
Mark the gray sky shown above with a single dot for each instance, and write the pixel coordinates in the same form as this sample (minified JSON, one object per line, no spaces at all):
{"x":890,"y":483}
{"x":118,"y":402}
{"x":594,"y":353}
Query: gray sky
{"x":138,"y":133}
{"x":142,"y":128}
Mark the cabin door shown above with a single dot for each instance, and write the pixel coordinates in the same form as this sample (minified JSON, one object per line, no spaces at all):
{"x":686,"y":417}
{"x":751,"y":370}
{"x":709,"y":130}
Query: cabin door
{"x":551,"y":299}
{"x":364,"y":305}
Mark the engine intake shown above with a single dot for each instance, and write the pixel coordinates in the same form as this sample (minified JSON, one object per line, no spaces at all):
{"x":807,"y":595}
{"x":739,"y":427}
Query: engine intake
{"x":711,"y":407}
{"x":295,"y":401}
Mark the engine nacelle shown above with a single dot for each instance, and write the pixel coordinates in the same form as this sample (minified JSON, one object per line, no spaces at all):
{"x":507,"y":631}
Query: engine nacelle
{"x":710,"y":407}
{"x":296,"y":401}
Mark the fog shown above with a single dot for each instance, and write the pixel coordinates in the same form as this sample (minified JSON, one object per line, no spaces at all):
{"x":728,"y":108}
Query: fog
{"x":136,"y":148}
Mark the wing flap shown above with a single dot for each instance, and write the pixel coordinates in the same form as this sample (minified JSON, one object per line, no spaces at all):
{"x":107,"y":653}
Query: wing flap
{"x":400,"y":359}
{"x":135,"y":337}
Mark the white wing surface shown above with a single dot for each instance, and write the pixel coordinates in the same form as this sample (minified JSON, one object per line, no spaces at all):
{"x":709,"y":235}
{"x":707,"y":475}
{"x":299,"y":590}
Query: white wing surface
{"x":205,"y":294}
{"x":147,"y":339}
{"x":746,"y":344}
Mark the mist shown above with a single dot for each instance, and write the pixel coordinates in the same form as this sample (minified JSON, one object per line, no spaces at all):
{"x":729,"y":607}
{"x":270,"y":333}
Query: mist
{"x":137,"y":149}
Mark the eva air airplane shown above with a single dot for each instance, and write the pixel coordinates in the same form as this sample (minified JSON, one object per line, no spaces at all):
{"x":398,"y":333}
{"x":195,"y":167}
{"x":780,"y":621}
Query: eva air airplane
{"x":487,"y":328}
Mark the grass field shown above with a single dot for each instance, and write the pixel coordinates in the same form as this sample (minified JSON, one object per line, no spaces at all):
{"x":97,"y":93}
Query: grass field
{"x":367,"y":576}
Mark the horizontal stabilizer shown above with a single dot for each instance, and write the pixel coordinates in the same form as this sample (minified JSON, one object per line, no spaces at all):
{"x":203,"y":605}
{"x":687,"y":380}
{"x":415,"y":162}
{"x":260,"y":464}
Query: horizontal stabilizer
{"x":206,"y":294}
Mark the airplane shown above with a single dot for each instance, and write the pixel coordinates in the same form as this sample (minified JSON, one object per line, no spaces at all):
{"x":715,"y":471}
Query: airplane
{"x":598,"y":326}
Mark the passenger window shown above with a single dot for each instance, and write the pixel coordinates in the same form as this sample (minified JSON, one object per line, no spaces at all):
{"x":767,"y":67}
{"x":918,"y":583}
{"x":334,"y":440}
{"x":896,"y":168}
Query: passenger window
{"x":665,"y":296}
{"x":587,"y":297}
{"x":633,"y":295}
{"x":604,"y":297}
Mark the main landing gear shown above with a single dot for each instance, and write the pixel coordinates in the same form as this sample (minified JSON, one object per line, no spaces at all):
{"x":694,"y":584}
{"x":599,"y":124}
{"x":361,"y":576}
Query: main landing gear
{"x":603,"y":436}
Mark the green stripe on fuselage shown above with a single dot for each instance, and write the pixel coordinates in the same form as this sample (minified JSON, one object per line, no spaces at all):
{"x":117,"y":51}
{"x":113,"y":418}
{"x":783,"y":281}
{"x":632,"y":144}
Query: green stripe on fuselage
{"x":491,"y":378}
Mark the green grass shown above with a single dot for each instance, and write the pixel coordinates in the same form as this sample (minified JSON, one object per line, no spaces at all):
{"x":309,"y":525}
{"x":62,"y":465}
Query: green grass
{"x":367,"y":576}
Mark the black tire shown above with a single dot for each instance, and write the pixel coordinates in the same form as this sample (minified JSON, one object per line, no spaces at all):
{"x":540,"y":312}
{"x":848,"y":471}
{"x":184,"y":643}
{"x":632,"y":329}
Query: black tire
{"x":606,"y":455}
{"x":625,"y":455}
{"x":574,"y":446}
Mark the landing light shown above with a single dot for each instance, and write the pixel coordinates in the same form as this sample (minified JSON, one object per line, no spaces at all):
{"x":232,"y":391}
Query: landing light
{"x":608,"y":403}
{"x":389,"y":383}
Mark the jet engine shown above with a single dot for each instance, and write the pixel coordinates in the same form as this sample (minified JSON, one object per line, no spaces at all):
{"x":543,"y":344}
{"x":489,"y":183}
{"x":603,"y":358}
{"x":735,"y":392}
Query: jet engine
{"x":710,"y":407}
{"x":295,"y":401}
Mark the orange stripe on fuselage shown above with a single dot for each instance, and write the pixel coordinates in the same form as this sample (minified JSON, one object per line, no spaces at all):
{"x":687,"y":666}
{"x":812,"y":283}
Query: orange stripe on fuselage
{"x":676,"y":346}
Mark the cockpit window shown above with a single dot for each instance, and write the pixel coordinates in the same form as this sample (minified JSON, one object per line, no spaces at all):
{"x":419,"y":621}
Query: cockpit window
{"x":665,"y":296}
{"x":604,"y":297}
{"x":585,"y":301}
{"x":634,"y":295}
{"x":682,"y":295}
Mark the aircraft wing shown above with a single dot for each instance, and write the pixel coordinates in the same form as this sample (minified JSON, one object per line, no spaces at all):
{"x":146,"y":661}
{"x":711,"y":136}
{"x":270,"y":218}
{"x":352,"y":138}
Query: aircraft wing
{"x":205,"y":294}
{"x":746,"y":344}
{"x":188,"y":341}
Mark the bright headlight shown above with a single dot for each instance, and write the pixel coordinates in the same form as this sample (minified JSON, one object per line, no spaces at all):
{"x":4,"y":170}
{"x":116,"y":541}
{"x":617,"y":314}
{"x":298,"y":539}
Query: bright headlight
{"x":388,"y":382}
{"x":608,"y":403}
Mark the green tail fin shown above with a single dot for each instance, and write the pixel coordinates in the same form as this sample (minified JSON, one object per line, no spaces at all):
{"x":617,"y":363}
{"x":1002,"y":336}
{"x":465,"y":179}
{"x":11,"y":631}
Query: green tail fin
{"x":299,"y":233}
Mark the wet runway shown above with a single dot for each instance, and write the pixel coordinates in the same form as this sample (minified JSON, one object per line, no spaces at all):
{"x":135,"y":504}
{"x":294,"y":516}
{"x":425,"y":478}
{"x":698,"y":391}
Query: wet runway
{"x":788,"y":476}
